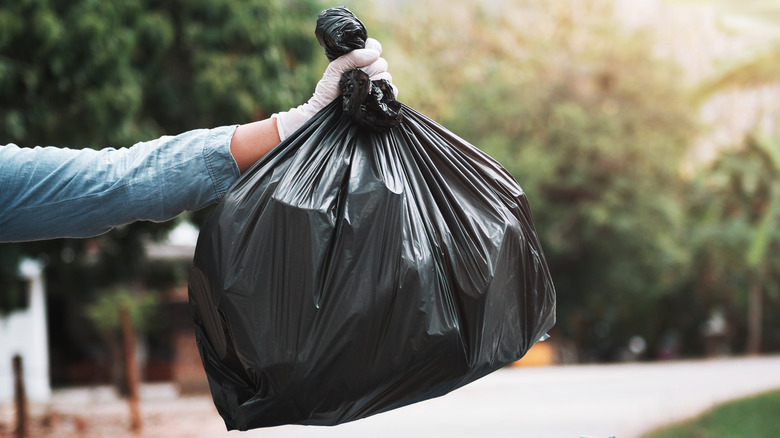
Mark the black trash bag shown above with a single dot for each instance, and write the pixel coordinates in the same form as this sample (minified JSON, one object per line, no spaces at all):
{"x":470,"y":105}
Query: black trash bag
{"x":353,"y":271}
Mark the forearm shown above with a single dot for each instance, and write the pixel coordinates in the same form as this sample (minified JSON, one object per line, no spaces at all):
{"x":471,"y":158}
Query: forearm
{"x":252,"y":141}
{"x":50,"y":192}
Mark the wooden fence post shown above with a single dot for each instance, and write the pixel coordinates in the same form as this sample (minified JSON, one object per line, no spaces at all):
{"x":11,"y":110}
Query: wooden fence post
{"x":131,"y":370}
{"x":20,"y":398}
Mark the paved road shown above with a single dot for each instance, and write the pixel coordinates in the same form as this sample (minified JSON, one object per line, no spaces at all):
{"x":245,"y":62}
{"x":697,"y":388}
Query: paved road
{"x":565,"y":401}
{"x":554,"y":402}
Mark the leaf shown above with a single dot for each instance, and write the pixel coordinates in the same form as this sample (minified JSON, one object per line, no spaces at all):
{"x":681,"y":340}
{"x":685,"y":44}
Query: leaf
{"x":765,"y":230}
{"x":760,"y":70}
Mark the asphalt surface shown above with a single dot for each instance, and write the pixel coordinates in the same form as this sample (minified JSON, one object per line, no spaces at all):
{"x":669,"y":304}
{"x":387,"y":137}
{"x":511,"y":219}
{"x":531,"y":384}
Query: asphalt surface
{"x":600,"y":401}
{"x":596,"y":401}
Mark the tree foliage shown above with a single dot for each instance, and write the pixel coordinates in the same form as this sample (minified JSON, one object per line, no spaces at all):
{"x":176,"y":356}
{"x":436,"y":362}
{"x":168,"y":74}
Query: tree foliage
{"x":90,"y":73}
{"x":105,"y":311}
{"x":759,"y":70}
{"x":734,"y":204}
{"x":736,"y":200}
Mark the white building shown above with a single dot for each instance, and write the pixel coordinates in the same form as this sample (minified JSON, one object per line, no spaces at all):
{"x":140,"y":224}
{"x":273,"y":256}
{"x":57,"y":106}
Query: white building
{"x":24,"y":333}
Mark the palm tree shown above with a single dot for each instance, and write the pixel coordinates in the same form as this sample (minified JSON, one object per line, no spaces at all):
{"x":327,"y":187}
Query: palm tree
{"x":758,"y":71}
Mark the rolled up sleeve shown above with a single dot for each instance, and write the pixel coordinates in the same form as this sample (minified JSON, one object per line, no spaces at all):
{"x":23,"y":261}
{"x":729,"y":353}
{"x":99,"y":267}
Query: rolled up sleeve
{"x":48,"y":192}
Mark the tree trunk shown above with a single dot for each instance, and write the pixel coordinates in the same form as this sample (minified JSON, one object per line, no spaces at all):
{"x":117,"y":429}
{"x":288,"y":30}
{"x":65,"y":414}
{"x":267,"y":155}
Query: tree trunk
{"x":20,"y":397}
{"x":754,"y":316}
{"x":131,"y":370}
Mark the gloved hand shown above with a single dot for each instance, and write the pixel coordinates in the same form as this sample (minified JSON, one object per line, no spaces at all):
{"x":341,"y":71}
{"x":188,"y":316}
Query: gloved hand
{"x":327,"y":90}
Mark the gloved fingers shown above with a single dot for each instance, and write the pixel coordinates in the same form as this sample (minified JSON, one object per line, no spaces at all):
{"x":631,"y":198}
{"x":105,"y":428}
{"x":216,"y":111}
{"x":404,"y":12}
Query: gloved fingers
{"x":374,"y":45}
{"x":352,"y":60}
{"x":377,"y":67}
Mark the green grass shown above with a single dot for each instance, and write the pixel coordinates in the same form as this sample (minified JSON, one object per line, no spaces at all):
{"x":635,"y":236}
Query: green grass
{"x":753,"y":417}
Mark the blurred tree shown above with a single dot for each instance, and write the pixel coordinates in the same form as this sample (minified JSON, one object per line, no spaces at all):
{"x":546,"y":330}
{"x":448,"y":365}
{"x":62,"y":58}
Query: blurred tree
{"x":593,"y":126}
{"x":736,"y":206}
{"x":105,"y":314}
{"x":86,"y":73}
{"x":746,"y":184}
{"x":756,"y":71}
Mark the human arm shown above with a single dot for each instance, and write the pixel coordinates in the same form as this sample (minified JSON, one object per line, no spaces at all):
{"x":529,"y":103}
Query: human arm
{"x":252,"y":141}
{"x":52,"y":192}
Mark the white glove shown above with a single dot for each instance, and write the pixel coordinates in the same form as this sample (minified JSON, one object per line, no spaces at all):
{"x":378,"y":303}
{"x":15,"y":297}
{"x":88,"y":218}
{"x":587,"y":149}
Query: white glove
{"x":327,"y":90}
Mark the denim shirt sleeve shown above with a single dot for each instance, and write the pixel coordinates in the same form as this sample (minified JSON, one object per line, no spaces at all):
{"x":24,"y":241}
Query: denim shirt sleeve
{"x":48,"y":192}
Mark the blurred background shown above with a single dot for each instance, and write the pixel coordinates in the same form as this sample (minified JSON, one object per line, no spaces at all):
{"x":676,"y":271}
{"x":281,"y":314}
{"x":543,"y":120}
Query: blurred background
{"x":646,"y":134}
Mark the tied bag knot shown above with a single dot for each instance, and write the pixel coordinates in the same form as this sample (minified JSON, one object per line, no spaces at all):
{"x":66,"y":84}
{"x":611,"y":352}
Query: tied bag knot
{"x":368,"y":103}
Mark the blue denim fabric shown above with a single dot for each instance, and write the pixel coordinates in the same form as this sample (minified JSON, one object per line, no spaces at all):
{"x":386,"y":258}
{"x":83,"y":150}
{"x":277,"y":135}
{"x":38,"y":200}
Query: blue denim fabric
{"x":52,"y":192}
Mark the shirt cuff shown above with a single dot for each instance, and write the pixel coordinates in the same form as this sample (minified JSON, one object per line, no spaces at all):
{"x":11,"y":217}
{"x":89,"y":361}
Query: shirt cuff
{"x":222,"y":168}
